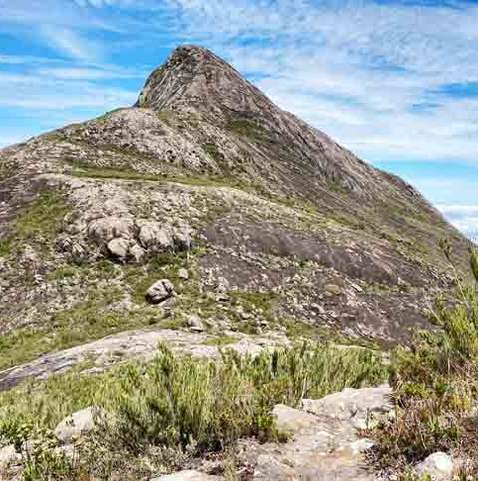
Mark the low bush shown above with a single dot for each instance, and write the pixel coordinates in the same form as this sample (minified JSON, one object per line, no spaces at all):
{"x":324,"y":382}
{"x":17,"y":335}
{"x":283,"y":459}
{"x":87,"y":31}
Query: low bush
{"x":174,"y":407}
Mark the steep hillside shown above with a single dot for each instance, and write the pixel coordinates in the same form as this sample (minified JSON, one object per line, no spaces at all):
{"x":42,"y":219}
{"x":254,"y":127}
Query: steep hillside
{"x":261,"y":223}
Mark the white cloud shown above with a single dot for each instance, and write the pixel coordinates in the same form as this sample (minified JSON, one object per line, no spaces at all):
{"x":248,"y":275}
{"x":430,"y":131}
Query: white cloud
{"x":71,"y":44}
{"x":464,"y":217}
{"x":37,"y":92}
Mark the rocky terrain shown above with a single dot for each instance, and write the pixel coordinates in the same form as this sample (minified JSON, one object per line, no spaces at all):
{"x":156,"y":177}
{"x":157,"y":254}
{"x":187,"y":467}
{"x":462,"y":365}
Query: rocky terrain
{"x":206,"y":216}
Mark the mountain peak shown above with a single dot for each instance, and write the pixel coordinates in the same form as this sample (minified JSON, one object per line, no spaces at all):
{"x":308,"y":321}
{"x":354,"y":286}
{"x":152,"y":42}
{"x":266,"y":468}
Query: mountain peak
{"x":194,"y":78}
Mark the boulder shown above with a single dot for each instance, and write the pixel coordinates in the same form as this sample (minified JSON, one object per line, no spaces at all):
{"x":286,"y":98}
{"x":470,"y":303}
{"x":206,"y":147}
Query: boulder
{"x":182,"y":237}
{"x":160,"y":291}
{"x":9,"y":456}
{"x":354,"y":405}
{"x":106,"y":229}
{"x":438,"y":466}
{"x":77,"y":424}
{"x":290,"y":420}
{"x":194,"y":323}
{"x":137,"y":252}
{"x":118,"y":248}
{"x":188,"y":475}
{"x":183,"y":274}
{"x":154,"y":236}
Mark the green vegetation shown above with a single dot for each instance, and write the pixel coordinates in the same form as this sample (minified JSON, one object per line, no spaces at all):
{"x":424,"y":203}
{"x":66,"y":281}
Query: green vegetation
{"x":38,"y":223}
{"x":436,"y":388}
{"x":159,"y":266}
{"x":249,"y":129}
{"x":221,"y":341}
{"x":212,"y":150}
{"x":175,"y":408}
{"x":86,"y":320}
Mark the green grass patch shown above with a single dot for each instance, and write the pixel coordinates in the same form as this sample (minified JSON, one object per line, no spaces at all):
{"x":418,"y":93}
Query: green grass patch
{"x":249,"y":129}
{"x":38,"y":223}
{"x":213,"y":151}
{"x":87,"y":320}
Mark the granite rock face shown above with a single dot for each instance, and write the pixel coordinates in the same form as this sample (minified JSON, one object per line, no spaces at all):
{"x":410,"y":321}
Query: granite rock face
{"x":205,"y":166}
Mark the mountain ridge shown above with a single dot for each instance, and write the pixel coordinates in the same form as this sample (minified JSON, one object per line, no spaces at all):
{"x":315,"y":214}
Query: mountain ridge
{"x":277,"y":209}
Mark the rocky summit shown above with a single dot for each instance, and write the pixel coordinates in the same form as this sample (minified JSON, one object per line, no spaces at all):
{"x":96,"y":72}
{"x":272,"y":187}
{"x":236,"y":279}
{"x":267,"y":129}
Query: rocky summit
{"x":205,"y":216}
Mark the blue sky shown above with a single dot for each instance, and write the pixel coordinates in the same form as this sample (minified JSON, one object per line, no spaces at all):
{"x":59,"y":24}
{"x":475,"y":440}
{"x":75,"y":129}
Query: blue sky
{"x":396,"y":81}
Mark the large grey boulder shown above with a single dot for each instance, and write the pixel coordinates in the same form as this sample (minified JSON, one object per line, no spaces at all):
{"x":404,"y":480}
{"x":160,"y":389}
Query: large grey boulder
{"x":106,"y":229}
{"x":438,"y":466}
{"x":354,"y":405}
{"x":77,"y":424}
{"x":160,"y":291}
{"x":119,"y":248}
{"x":153,"y":236}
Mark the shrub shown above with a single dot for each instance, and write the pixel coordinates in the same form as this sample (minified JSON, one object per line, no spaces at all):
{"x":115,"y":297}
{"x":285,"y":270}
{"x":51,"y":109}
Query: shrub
{"x":436,"y":386}
{"x":176,"y":407}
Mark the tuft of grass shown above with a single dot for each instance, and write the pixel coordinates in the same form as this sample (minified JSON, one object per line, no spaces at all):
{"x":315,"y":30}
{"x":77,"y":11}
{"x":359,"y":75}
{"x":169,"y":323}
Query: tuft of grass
{"x":38,"y":223}
{"x":213,"y":151}
{"x":181,"y":407}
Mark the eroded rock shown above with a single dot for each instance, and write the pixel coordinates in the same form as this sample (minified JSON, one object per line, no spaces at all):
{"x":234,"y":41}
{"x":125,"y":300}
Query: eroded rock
{"x":439,"y":466}
{"x":77,"y":425}
{"x":106,"y":229}
{"x":160,"y":291}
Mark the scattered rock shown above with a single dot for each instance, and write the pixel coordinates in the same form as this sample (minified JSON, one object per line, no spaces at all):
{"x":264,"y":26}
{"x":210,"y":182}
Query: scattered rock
{"x":439,"y":466}
{"x":137,"y":252}
{"x":160,"y":291}
{"x":222,"y":285}
{"x":290,"y":420}
{"x":183,"y":238}
{"x":119,"y":248}
{"x":183,"y":274}
{"x":188,"y":475}
{"x":76,"y":425}
{"x":333,"y":289}
{"x":195,"y":323}
{"x":9,"y":456}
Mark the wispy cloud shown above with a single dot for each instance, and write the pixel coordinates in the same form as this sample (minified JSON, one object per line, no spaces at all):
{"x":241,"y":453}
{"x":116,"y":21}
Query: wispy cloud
{"x":464,"y":217}
{"x":71,"y":44}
